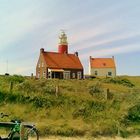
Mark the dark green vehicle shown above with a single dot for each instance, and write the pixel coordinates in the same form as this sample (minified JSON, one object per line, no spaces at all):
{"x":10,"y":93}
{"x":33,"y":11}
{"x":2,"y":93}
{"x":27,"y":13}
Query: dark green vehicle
{"x":19,"y":130}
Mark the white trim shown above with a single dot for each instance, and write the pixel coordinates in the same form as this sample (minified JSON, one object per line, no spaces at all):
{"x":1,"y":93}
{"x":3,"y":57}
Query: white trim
{"x":66,"y":75}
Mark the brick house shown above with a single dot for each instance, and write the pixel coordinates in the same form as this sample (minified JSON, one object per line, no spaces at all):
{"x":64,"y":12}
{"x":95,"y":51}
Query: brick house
{"x":61,"y":64}
{"x":102,"y":67}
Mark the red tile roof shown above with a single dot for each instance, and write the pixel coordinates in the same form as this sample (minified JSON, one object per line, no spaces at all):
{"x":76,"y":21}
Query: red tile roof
{"x":102,"y":63}
{"x":58,"y":60}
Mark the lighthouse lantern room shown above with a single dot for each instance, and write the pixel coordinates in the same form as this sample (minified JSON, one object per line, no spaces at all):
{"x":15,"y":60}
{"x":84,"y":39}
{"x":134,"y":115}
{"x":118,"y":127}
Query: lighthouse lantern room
{"x":63,"y":44}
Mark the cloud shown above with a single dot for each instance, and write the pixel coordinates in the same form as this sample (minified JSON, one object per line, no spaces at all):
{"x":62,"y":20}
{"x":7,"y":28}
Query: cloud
{"x":93,"y":28}
{"x":23,"y":70}
{"x":3,"y":67}
{"x":16,"y":25}
{"x":114,"y":40}
{"x":112,"y":51}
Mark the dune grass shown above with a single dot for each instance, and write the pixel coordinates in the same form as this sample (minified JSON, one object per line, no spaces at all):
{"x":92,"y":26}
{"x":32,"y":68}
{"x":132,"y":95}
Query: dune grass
{"x":78,"y":108}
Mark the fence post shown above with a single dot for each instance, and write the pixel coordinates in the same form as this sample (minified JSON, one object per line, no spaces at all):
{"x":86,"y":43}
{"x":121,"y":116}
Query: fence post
{"x":109,"y":95}
{"x":56,"y":90}
{"x":11,"y":86}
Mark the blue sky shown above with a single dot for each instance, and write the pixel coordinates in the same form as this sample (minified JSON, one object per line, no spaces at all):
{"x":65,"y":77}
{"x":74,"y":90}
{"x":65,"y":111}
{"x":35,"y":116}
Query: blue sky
{"x":97,"y":28}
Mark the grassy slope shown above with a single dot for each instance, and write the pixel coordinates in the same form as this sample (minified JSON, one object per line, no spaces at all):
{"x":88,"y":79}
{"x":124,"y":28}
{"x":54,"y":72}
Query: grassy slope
{"x":74,"y":111}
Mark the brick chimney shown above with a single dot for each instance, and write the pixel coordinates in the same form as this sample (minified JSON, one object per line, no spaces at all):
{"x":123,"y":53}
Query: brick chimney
{"x":76,"y":54}
{"x":41,"y":50}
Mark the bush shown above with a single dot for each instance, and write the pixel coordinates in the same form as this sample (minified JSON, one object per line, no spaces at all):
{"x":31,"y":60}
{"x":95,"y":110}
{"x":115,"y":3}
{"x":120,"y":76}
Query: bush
{"x":26,"y":87}
{"x":121,"y":81}
{"x":2,"y":96}
{"x":49,"y":89}
{"x":134,"y":114}
{"x":17,"y":78}
{"x":88,"y":109}
{"x":96,"y":88}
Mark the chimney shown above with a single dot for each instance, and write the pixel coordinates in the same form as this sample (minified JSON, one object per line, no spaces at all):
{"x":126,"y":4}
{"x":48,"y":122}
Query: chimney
{"x":41,"y":50}
{"x":76,"y":54}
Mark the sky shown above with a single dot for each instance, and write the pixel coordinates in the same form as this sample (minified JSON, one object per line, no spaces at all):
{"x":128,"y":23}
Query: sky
{"x":97,"y":28}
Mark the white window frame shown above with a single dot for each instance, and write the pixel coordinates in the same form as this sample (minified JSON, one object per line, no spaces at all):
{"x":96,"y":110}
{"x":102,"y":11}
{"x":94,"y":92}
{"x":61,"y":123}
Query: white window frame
{"x":79,"y":75}
{"x":42,"y":64}
{"x":96,"y":72}
{"x":110,"y":73}
{"x":49,"y":74}
{"x":39,"y":64}
{"x":73,"y":75}
{"x":44,"y":74}
{"x":38,"y":74}
{"x":66,"y":74}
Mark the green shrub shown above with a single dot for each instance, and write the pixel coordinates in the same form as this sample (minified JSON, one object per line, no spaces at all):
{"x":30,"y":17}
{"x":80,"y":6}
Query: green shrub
{"x":80,"y":112}
{"x":48,"y":89}
{"x":2,"y":96}
{"x":134,"y":114}
{"x":88,"y":109}
{"x":116,"y":104}
{"x":96,"y":88}
{"x":26,"y":87}
{"x":121,"y":81}
{"x":16,"y":78}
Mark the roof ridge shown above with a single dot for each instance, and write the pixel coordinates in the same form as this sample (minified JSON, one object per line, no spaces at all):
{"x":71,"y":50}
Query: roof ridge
{"x":60,"y":53}
{"x":101,"y":58}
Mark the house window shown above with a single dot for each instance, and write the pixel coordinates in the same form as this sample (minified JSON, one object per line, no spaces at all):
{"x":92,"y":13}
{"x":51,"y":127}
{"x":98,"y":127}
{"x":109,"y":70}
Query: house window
{"x":66,"y":75}
{"x":38,"y":74}
{"x":96,"y":73}
{"x":42,"y":64}
{"x":79,"y":75}
{"x":73,"y":75}
{"x":49,"y":74}
{"x":44,"y":74}
{"x":39,"y":65}
{"x":109,"y":73}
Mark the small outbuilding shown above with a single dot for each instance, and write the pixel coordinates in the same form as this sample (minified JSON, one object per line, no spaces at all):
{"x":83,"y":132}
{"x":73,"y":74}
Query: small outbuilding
{"x":104,"y":67}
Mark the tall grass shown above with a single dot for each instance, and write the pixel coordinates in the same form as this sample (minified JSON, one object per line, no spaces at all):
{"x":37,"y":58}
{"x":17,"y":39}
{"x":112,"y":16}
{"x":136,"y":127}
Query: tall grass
{"x":80,"y":107}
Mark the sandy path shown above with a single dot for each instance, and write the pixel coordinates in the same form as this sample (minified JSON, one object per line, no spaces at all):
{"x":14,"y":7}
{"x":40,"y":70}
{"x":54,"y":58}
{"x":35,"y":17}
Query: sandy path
{"x":78,"y":138}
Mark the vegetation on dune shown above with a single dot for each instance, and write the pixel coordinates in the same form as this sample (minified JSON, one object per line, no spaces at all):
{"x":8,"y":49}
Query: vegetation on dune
{"x":119,"y":80}
{"x":94,"y":107}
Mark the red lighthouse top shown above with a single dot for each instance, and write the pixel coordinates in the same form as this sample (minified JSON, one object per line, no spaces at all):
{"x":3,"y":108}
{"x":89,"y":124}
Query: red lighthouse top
{"x":63,"y":44}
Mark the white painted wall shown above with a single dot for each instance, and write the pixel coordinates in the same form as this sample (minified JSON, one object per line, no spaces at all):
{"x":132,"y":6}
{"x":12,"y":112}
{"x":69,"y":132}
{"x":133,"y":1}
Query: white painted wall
{"x":103,"y":71}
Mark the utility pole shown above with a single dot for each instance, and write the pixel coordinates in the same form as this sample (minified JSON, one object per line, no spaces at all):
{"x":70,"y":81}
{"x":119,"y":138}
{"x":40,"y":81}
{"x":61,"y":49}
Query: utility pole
{"x":6,"y":66}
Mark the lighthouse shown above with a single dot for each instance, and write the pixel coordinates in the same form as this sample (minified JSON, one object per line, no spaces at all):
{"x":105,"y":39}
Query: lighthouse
{"x":60,"y":64}
{"x":63,"y":44}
